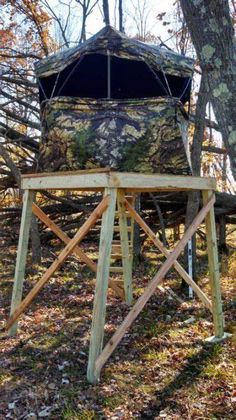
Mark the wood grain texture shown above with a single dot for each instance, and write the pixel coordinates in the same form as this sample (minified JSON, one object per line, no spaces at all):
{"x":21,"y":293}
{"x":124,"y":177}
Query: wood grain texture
{"x":77,"y":251}
{"x":99,"y":306}
{"x":124,"y":240}
{"x":202,"y":296}
{"x":21,"y":255}
{"x":214,"y":268}
{"x":59,"y":261}
{"x":150,"y":289}
{"x":63,"y":236}
{"x":105,"y":179}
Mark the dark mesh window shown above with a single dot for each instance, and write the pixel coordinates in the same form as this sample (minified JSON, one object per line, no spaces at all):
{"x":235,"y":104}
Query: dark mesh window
{"x":88,"y":78}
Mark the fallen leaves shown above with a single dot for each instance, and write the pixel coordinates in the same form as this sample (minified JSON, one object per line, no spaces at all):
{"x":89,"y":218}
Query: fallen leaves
{"x":161,"y":369}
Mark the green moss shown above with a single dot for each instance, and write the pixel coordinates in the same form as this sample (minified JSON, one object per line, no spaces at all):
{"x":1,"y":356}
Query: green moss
{"x":207,"y":52}
{"x":70,"y":414}
{"x":157,"y":355}
{"x":222,"y":92}
{"x":114,"y":401}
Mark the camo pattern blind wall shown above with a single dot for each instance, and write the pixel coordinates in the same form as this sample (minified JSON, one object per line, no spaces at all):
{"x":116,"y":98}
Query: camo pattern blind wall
{"x":146,"y":135}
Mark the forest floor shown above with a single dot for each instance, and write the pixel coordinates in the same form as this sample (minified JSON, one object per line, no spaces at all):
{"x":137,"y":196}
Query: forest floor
{"x":163,"y":368}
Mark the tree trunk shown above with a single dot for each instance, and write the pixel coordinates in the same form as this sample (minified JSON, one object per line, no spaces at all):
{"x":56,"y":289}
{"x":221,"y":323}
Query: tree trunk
{"x":194,"y":197}
{"x":35,"y":241}
{"x":222,"y":236}
{"x":211,"y":28}
{"x":106,"y":12}
{"x":121,"y":27}
{"x":83,"y":27}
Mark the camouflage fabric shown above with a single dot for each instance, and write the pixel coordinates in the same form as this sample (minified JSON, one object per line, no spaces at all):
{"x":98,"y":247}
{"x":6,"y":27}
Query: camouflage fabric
{"x":147,"y":135}
{"x":119,"y":45}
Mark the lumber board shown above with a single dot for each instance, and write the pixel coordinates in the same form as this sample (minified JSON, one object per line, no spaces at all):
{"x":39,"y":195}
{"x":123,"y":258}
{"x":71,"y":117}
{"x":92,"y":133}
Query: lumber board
{"x":67,"y":173}
{"x":103,"y":179}
{"x":124,"y":241}
{"x":145,"y":182}
{"x":116,"y":249}
{"x":59,"y":261}
{"x":21,"y":255}
{"x":77,"y":251}
{"x":99,"y":306}
{"x":63,"y":236}
{"x":170,"y":292}
{"x":213,"y":262}
{"x":202,"y":296}
{"x":116,"y":269}
{"x":150,"y":289}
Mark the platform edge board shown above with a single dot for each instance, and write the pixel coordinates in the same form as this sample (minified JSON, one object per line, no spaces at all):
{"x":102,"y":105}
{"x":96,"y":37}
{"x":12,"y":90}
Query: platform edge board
{"x":141,"y":181}
{"x":78,"y":181}
{"x":67,"y":173}
{"x":108,"y":179}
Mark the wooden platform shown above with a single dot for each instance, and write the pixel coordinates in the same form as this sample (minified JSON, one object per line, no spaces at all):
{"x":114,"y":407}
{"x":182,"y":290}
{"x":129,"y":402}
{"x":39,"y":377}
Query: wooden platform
{"x":105,"y":178}
{"x":115,"y":186}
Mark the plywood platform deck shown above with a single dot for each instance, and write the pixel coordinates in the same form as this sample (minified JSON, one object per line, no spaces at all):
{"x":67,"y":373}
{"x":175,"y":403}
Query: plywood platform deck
{"x":106,"y":178}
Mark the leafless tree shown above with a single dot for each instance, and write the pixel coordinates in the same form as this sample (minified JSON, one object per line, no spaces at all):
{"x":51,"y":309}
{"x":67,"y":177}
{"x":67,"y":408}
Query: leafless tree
{"x":87,"y":8}
{"x":105,"y":5}
{"x":140,"y":15}
{"x":121,"y":14}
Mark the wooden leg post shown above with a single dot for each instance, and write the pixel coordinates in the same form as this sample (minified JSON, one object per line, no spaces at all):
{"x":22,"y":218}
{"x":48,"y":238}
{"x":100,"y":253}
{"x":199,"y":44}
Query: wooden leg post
{"x":21,"y":255}
{"x":99,"y":307}
{"x":124,"y":240}
{"x":214,"y":270}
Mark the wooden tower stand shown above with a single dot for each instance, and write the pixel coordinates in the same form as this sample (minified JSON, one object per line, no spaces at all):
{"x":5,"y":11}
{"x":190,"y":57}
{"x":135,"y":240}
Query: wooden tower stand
{"x":115,"y":187}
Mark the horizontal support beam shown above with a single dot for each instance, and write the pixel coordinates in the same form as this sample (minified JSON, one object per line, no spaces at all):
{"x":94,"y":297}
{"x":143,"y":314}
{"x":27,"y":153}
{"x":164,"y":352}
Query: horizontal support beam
{"x":85,"y":180}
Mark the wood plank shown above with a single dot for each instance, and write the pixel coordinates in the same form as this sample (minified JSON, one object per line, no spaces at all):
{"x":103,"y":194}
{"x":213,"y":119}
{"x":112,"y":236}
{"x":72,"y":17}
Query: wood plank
{"x":116,"y":249}
{"x":131,"y":199}
{"x":218,"y":318}
{"x":127,"y":180}
{"x":202,"y":296}
{"x":60,"y":259}
{"x":63,"y":236}
{"x":67,"y":173}
{"x":116,"y":270}
{"x":126,"y":213}
{"x":21,"y":255}
{"x":170,"y":292}
{"x":59,"y":181}
{"x":144,"y":182}
{"x":77,"y":251}
{"x":124,"y":241}
{"x":150,"y":289}
{"x":117,"y":229}
{"x":116,"y":256}
{"x":99,"y":306}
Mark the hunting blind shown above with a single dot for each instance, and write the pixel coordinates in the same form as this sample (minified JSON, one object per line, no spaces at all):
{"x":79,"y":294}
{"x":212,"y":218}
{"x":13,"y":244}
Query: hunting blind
{"x":118,"y":103}
{"x":115,"y":102}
